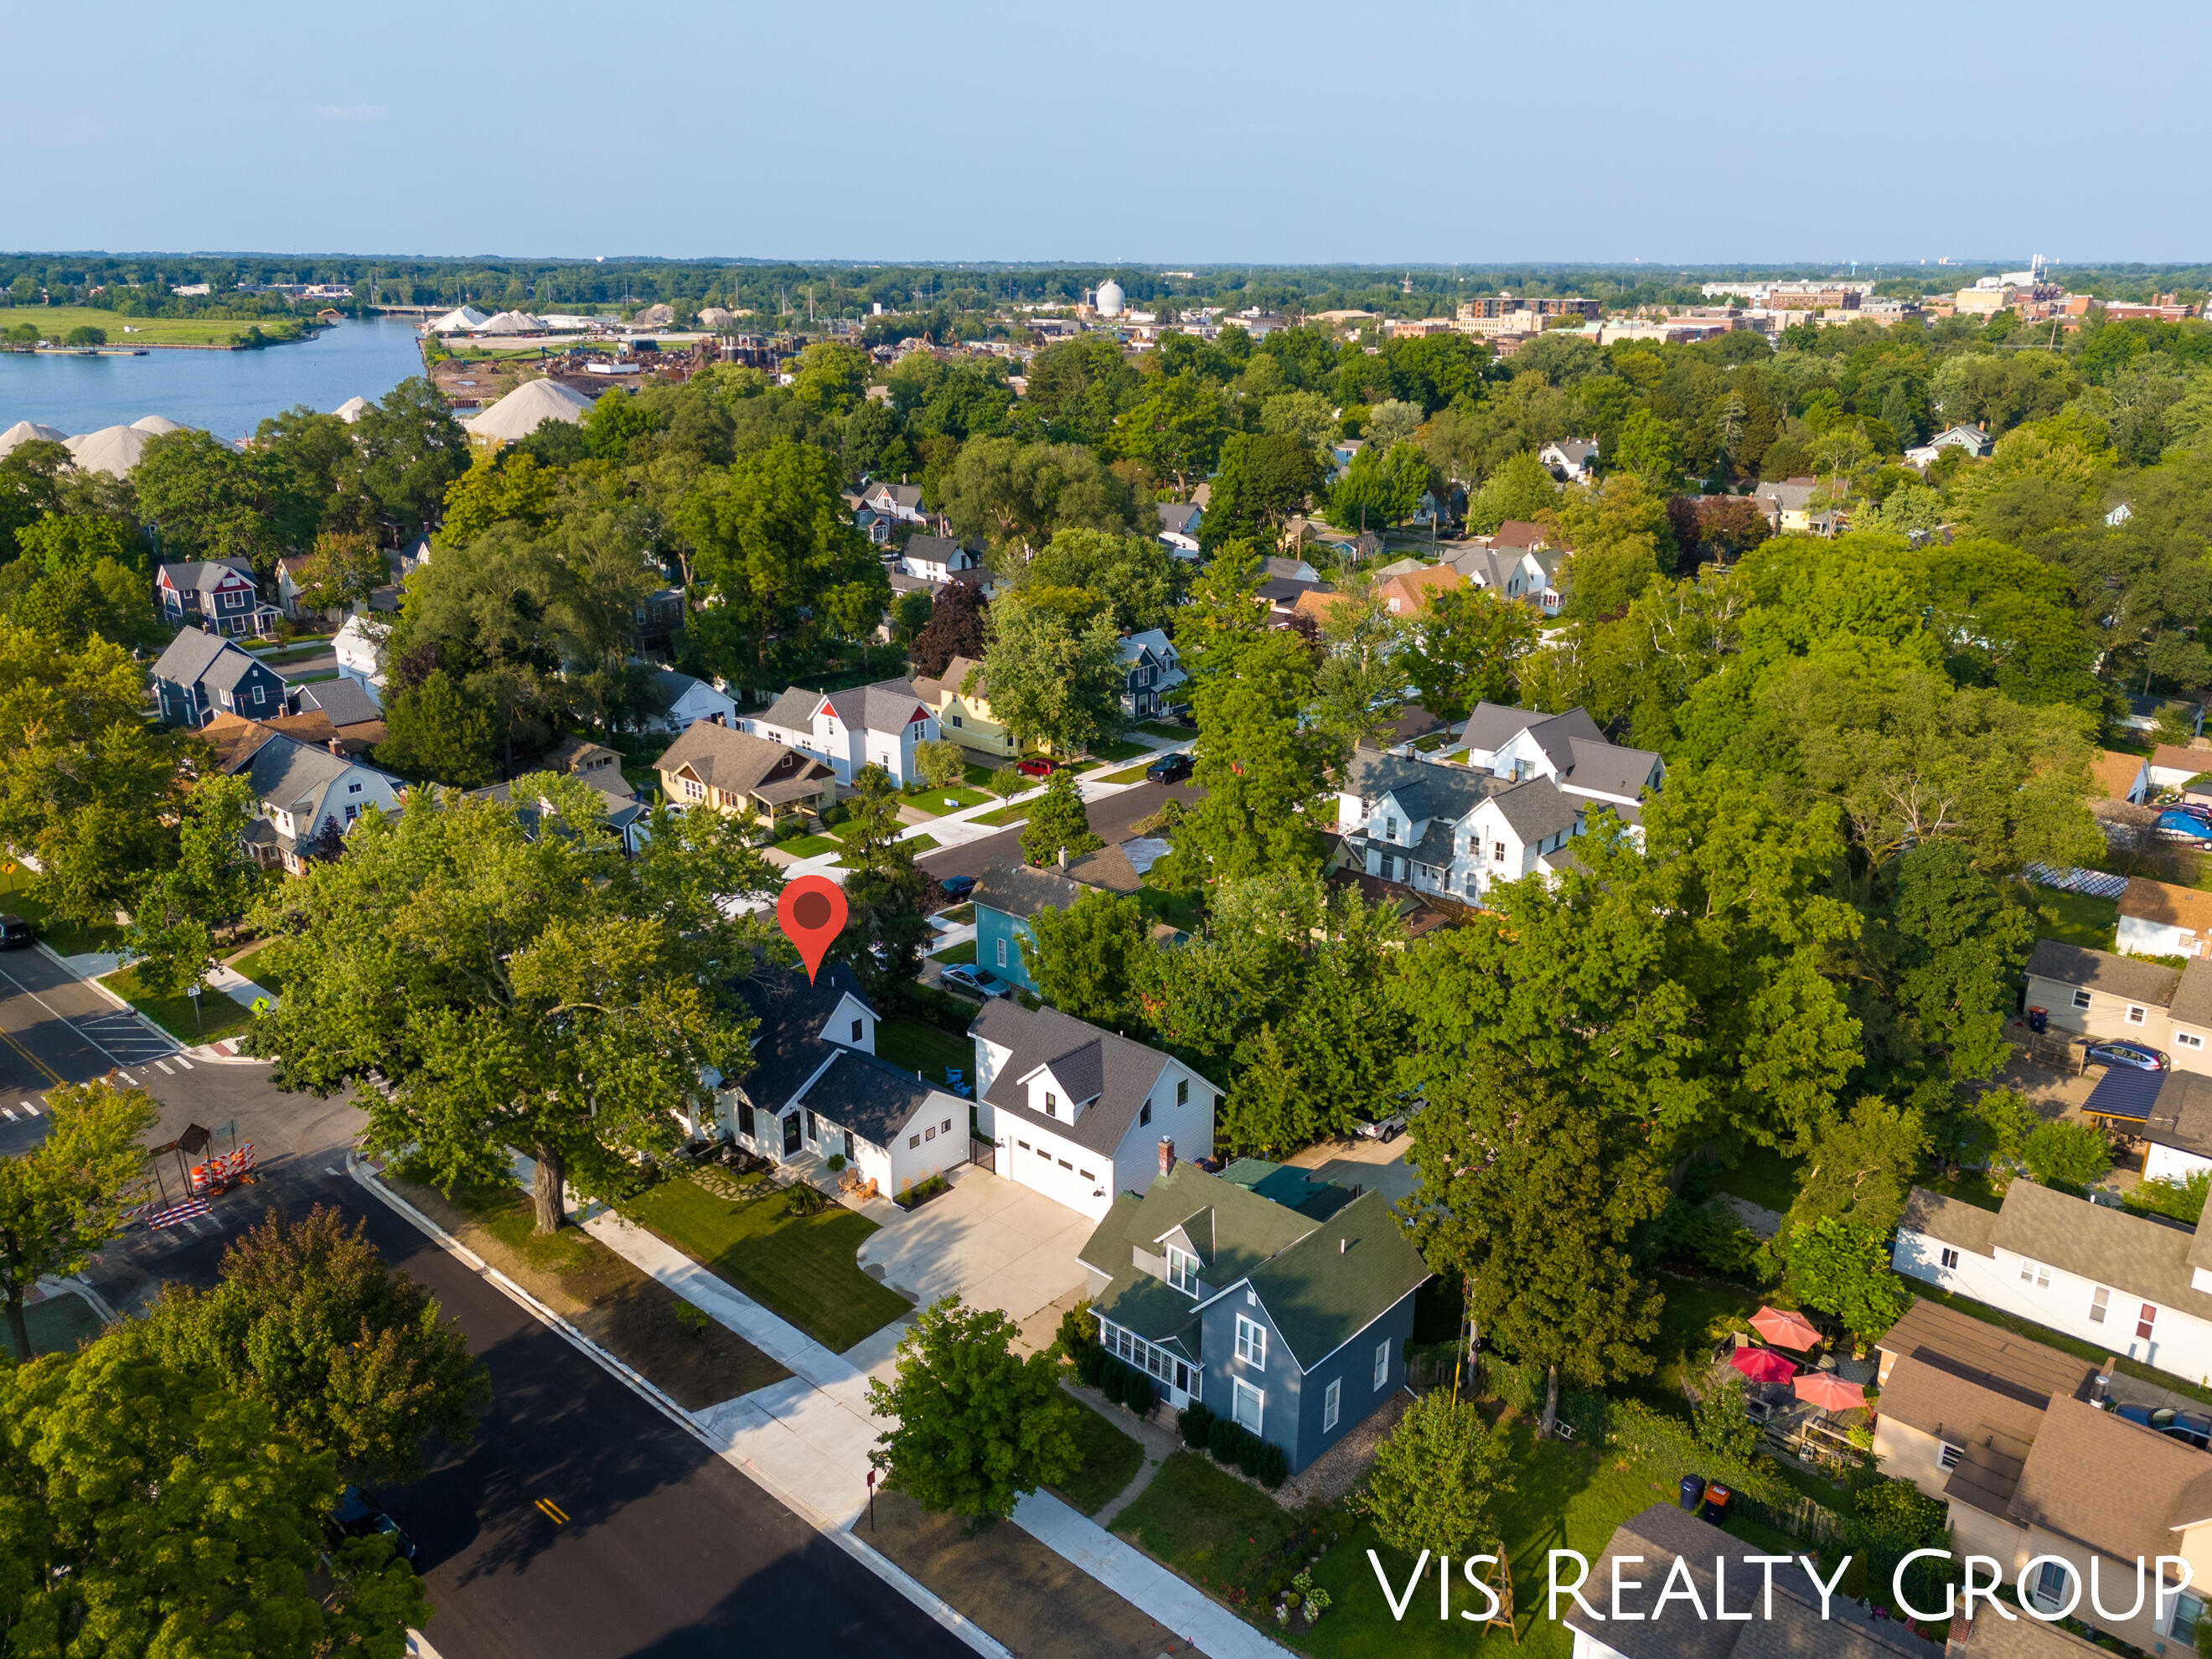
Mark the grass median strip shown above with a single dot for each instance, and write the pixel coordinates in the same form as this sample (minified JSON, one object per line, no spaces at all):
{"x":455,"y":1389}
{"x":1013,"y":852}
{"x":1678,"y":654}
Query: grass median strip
{"x":219,"y":1015}
{"x":799,"y":1267}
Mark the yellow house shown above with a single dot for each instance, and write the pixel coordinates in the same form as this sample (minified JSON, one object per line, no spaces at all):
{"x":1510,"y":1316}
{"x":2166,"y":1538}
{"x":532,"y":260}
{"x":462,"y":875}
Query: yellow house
{"x":964,"y":716}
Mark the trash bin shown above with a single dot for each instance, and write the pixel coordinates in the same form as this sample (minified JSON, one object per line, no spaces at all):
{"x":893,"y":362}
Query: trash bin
{"x":1693,"y":1492}
{"x":1717,"y":1502}
{"x":2038,"y":1020}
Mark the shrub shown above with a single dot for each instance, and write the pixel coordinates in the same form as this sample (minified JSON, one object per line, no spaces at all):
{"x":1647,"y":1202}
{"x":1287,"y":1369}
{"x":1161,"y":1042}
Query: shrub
{"x":1221,"y":1437}
{"x":1196,"y":1423}
{"x":2068,"y":1154}
{"x":836,"y":1162}
{"x":834,"y":815}
{"x":1078,"y":1329}
{"x":1275,"y":1465}
{"x":1722,"y":1424}
{"x":2181,"y":1201}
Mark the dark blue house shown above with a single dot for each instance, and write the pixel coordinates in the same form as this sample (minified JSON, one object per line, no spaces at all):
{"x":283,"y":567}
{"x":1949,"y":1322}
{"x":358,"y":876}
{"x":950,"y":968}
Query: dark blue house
{"x":1291,"y":1317}
{"x":201,"y":675}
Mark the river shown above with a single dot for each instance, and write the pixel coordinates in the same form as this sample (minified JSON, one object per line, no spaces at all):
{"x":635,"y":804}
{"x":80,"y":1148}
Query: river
{"x":228,"y":393}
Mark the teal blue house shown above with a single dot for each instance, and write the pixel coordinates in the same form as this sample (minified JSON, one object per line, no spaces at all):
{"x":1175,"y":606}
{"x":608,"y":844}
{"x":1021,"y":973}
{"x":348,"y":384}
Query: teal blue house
{"x":1007,"y":897}
{"x":1282,"y":1302}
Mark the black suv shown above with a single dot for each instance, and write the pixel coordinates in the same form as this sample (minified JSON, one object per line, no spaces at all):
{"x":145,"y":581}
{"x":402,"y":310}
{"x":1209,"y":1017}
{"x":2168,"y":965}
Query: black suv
{"x":1169,"y":768}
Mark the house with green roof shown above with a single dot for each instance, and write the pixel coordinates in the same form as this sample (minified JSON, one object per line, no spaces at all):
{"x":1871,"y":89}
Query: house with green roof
{"x":1290,"y":1317}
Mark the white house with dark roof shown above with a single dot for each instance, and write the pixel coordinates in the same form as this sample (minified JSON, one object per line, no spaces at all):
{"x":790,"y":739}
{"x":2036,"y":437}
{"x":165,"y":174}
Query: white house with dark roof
{"x":305,"y":793}
{"x":681,"y":701}
{"x":1077,"y":1113}
{"x":879,"y":725}
{"x":2135,"y":1285}
{"x":1180,"y":523}
{"x":817,"y":1088}
{"x":1520,"y":744}
{"x":935,"y":559}
{"x":1571,"y":459}
{"x":894,"y":503}
{"x":1512,"y":570}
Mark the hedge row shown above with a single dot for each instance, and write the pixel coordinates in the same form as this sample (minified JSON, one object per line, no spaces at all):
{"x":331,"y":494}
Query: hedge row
{"x":1227,"y":1441}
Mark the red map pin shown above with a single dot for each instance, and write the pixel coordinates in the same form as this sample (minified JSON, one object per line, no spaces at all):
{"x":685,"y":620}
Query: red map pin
{"x":812,"y":912}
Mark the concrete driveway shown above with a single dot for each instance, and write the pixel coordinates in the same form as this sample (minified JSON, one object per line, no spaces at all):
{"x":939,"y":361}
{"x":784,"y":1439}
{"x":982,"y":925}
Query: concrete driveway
{"x":996,"y":1244}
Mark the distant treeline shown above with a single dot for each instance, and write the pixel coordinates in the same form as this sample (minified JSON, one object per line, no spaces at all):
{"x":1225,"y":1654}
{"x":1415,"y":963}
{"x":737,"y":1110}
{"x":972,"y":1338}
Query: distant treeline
{"x":141,"y":284}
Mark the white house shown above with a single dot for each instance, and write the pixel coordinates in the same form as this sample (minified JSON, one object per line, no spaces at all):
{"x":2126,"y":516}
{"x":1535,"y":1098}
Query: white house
{"x":817,"y":1088}
{"x":879,"y":725}
{"x":1180,"y":523}
{"x":304,"y":791}
{"x":1515,"y":564}
{"x":897,"y":503}
{"x":1519,"y":744}
{"x":935,"y":558}
{"x":2131,"y":1285}
{"x":359,"y":647}
{"x":1080,"y":1114}
{"x":2158,"y":919}
{"x":681,"y":701}
{"x":1571,"y":459}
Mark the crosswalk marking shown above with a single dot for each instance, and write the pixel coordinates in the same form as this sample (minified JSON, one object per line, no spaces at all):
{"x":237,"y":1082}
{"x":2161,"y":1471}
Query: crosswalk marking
{"x":126,"y":1077}
{"x":182,"y":1062}
{"x":30,"y":1108}
{"x":162,"y":1066}
{"x":5,"y":1113}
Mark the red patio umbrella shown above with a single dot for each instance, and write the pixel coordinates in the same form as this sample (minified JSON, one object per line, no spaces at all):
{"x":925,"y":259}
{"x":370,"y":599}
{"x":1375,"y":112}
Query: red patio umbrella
{"x":1786,"y":1329}
{"x":1763,"y":1364}
{"x":1829,"y":1392}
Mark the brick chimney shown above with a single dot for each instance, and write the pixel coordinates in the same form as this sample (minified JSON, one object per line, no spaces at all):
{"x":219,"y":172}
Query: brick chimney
{"x":1167,"y":1153}
{"x":1063,"y":858}
{"x":338,"y":748}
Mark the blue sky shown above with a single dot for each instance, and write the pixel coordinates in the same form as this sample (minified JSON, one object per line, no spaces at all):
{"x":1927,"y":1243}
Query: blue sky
{"x":1144,"y":133}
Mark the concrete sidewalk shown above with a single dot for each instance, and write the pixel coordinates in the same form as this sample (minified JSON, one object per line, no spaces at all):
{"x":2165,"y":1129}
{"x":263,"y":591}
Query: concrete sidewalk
{"x":807,"y":1439}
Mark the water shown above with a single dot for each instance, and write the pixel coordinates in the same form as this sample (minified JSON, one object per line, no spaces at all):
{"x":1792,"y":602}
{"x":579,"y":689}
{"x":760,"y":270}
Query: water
{"x":227,"y":392}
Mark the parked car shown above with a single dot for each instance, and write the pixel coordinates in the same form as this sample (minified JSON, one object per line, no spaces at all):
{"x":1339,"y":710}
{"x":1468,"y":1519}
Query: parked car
{"x":961,"y":977}
{"x":2113,"y":1052}
{"x":957,"y":888}
{"x":2175,"y":824}
{"x":15,"y":933}
{"x":1386,"y":1129}
{"x":360,"y":1516}
{"x":2195,"y":1427}
{"x":1169,"y":768}
{"x":1040,"y":766}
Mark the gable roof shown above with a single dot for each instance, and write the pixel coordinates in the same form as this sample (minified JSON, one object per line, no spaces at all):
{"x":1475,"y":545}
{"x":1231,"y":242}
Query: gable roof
{"x":670,"y":688}
{"x":1232,"y":1229}
{"x":935,"y":550}
{"x":792,"y":711}
{"x":1176,"y":516}
{"x":1019,"y":890}
{"x":291,"y":776}
{"x":1606,"y":768}
{"x":1951,"y":1219}
{"x":2166,"y":905}
{"x":2116,"y":1487}
{"x":1416,"y":588}
{"x":1536,"y":809}
{"x":235,"y":738}
{"x":193,"y":574}
{"x":885,"y":706}
{"x":739,"y":761}
{"x":343,"y":701}
{"x":948,"y":683}
{"x":188,"y":656}
{"x":872,"y":1097}
{"x":2128,"y":977}
{"x":1332,"y":1283}
{"x":2117,"y":773}
{"x":1519,"y":533}
{"x":1109,"y":869}
{"x":1125,"y":1071}
{"x":787,"y":1044}
{"x":2134,"y":1254}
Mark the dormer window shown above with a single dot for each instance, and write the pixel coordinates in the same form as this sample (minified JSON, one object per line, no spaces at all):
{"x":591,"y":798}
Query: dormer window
{"x":856,"y":1030}
{"x":1389,"y":829}
{"x":1182,"y":1270}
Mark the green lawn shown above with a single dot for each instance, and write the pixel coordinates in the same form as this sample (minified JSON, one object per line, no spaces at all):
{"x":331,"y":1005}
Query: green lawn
{"x":53,"y":322}
{"x":257,"y":966}
{"x":958,"y":913}
{"x":1004,"y":817}
{"x":1690,"y":1326}
{"x":1120,"y":750}
{"x":800,"y":1267}
{"x":1220,"y":1533}
{"x":292,"y":654}
{"x":65,"y":938}
{"x":979,"y":776}
{"x":920,"y":1047}
{"x":1763,"y":1176}
{"x":2078,"y":919}
{"x":219,"y":1015}
{"x":937,"y":801}
{"x":1185,"y":911}
{"x":1110,"y":1461}
{"x":808,"y":846}
{"x":961,"y":954}
{"x":1161,"y":729}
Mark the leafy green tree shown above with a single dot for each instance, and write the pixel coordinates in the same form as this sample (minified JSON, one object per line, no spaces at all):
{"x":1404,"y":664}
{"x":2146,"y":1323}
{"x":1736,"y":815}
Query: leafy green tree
{"x":412,"y":447}
{"x":2064,"y":1154}
{"x":517,"y":985}
{"x":63,"y":1198}
{"x":976,"y":1429}
{"x":1049,"y":679}
{"x":1620,"y":541}
{"x":776,"y":550}
{"x":1359,"y":686}
{"x":1263,"y":479}
{"x":340,"y":572}
{"x":1141,"y":582}
{"x":1842,"y":1268}
{"x":208,"y":501}
{"x":350,"y":1356}
{"x":1177,"y":428}
{"x":1530,"y":1194}
{"x":1468,"y":649}
{"x":1723,"y":1424}
{"x":884,"y":889}
{"x":108,"y":599}
{"x":1523,"y":488}
{"x":212,"y":881}
{"x":437,"y":733}
{"x":1437,"y":1478}
{"x":944,"y":764}
{"x":1380,"y":487}
{"x":1020,"y":494}
{"x":1058,"y":825}
{"x":1268,"y":1111}
{"x":1089,"y":958}
{"x":830,"y":375}
{"x":1858,"y":1168}
{"x":1262,"y":768}
{"x":507,"y":487}
{"x":1651,"y":448}
{"x":150,"y":1512}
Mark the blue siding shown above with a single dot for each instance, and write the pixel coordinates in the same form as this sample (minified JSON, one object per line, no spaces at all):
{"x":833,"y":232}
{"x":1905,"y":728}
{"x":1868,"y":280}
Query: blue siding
{"x":1295,"y":1399}
{"x":993,"y":927}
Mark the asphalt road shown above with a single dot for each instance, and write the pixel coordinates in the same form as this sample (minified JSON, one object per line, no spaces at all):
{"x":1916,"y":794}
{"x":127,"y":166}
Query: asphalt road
{"x":666,"y":1550}
{"x":1113,"y":818}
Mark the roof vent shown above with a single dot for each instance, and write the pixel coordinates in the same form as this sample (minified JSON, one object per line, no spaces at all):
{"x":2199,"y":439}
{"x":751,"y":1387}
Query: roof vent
{"x":1342,"y":1245}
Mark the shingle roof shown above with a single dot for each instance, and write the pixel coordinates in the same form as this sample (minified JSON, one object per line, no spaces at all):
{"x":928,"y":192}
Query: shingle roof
{"x":2100,"y":970}
{"x":1043,"y":1037}
{"x":1445,"y":791}
{"x":289,"y":774}
{"x":1494,"y":725}
{"x":1108,"y":869}
{"x":1537,"y":809}
{"x":2192,"y":998}
{"x":236,"y":738}
{"x":1372,"y":774}
{"x":1337,"y":1279}
{"x":1992,"y":1636}
{"x":200,"y":575}
{"x":873,"y":1098}
{"x":670,"y":688}
{"x":1018,"y":890}
{"x":2181,"y":1116}
{"x":736,"y":762}
{"x":344,"y":700}
{"x":2116,"y":1487}
{"x":1177,"y":515}
{"x":788,"y":1045}
{"x":886,"y":706}
{"x":1233,"y":1229}
{"x":2132,"y":1253}
{"x":1951,"y":1219}
{"x":188,"y":655}
{"x":793,"y":710}
{"x":1663,"y":1535}
{"x":1605,"y":769}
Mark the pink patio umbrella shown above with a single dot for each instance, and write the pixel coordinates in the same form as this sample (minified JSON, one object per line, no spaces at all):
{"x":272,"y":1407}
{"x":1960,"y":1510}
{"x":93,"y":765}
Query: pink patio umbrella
{"x":1763,"y":1364}
{"x":1829,"y":1392}
{"x":1786,"y":1329}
